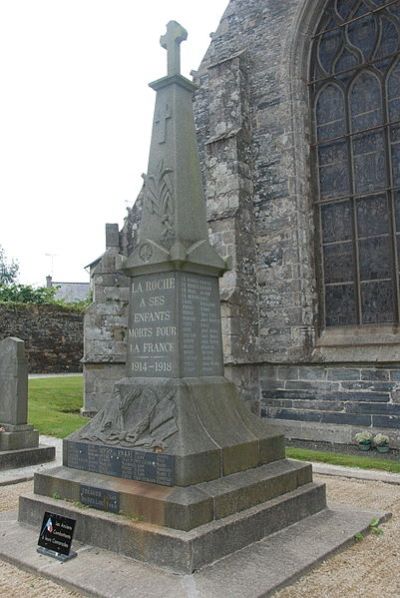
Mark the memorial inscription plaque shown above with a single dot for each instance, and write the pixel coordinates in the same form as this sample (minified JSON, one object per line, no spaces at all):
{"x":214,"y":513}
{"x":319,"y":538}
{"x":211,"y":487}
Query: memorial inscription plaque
{"x":174,"y":327}
{"x":152,"y":334}
{"x":99,"y":498}
{"x":126,"y":463}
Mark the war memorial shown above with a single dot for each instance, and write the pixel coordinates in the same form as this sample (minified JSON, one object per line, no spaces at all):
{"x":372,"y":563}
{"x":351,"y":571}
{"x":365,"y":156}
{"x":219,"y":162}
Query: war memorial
{"x":174,"y":471}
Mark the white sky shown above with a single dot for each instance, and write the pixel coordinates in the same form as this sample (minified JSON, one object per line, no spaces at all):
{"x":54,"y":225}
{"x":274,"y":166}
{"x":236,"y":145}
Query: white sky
{"x":75,"y":119}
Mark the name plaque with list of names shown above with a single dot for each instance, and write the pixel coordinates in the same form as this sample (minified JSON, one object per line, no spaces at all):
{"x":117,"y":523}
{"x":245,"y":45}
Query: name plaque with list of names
{"x":131,"y":464}
{"x":201,"y":341}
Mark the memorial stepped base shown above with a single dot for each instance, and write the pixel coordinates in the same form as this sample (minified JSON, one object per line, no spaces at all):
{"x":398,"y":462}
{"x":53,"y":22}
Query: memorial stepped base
{"x":25,"y":457}
{"x":18,"y":437}
{"x":180,"y":551}
{"x":182,"y":508}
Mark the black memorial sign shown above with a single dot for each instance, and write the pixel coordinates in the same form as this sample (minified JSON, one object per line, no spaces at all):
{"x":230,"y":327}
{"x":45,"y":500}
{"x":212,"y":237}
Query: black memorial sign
{"x":56,"y":533}
{"x":98,"y":498}
{"x":125,"y":463}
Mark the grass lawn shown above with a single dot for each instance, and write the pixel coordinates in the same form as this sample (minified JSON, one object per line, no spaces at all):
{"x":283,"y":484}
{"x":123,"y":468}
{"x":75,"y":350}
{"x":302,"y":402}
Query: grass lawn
{"x":54,"y":405}
{"x":341,"y":459}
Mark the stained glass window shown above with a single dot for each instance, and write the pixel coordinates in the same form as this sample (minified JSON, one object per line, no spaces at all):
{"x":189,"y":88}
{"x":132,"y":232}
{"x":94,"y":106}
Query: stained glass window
{"x":355,"y":91}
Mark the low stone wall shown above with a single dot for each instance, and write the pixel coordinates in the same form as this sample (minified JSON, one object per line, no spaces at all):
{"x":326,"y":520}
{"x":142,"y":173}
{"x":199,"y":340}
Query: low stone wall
{"x":53,"y":335}
{"x":343,"y":399}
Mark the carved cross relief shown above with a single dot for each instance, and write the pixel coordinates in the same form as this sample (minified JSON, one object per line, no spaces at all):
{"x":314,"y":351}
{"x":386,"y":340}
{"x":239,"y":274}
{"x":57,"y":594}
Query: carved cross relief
{"x":162,"y":117}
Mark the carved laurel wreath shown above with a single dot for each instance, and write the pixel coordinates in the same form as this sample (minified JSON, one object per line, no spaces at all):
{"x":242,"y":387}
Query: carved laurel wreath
{"x":160,"y":199}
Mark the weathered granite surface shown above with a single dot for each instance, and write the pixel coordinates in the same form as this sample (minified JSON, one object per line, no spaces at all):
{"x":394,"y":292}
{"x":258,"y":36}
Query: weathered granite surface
{"x":200,"y":423}
{"x":181,"y":551}
{"x":13,"y":382}
{"x":19,"y":442}
{"x":177,"y":507}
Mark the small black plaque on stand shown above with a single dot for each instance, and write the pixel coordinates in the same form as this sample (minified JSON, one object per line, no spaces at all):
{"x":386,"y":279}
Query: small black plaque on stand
{"x":55,"y":536}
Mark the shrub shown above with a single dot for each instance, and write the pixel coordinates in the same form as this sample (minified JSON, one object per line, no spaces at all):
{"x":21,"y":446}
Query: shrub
{"x":21,"y":293}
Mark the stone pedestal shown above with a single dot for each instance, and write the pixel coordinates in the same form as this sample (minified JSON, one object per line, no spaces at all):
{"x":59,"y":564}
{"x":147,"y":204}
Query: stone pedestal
{"x":220,"y":518}
{"x":19,"y":442}
{"x":13,"y":382}
{"x":17,"y":437}
{"x":178,"y":473}
{"x":174,"y":432}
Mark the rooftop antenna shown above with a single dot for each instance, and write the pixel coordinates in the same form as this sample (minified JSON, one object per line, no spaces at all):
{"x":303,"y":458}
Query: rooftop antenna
{"x":51,"y":256}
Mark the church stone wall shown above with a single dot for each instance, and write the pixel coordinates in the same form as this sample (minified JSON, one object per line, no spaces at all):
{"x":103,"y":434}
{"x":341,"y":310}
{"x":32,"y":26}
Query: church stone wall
{"x":253,"y":120}
{"x":106,"y":320}
{"x":254,"y":36}
{"x":302,"y":398}
{"x":105,"y":325}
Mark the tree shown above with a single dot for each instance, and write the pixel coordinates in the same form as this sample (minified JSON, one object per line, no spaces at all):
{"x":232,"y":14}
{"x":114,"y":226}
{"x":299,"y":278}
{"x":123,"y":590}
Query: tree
{"x":8,"y":270}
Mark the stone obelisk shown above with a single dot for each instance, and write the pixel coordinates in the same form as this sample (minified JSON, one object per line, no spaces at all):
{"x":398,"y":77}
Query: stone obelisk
{"x":175,"y":446}
{"x":174,"y":410}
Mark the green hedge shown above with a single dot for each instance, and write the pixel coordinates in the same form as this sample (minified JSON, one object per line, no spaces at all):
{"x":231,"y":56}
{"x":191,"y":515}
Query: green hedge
{"x":23,"y":294}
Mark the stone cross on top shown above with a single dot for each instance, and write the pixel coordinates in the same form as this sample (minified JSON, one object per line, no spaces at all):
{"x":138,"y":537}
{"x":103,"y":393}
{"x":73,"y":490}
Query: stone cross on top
{"x":171,"y":41}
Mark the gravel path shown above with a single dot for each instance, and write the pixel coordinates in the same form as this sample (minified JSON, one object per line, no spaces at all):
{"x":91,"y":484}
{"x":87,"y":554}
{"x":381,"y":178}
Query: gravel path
{"x":369,"y":568}
{"x":15,"y":583}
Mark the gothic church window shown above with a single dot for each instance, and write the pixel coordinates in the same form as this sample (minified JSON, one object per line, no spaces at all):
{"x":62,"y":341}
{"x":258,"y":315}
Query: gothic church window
{"x":355,"y":90}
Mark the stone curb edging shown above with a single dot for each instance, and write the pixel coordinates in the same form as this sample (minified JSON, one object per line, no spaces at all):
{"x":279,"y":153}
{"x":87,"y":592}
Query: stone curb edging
{"x":370,"y":475}
{"x":24,"y":474}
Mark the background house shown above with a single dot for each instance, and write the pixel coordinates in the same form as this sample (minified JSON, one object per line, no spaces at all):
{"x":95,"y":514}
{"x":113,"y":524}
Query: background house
{"x":71,"y":292}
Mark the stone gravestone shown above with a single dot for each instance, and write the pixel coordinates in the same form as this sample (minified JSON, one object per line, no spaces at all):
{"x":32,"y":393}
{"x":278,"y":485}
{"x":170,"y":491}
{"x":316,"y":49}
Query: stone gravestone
{"x":175,"y":447}
{"x":19,"y":442}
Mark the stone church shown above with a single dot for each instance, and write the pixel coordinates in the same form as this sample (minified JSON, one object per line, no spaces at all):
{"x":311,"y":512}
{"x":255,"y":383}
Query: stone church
{"x":298,"y":122}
